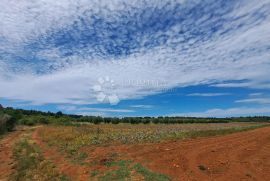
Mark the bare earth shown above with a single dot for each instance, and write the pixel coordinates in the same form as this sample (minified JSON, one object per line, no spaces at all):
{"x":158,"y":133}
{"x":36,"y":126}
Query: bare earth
{"x":6,"y":162}
{"x":238,"y":156}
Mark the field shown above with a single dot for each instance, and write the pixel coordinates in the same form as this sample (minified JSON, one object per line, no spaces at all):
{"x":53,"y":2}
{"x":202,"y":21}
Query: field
{"x":217,"y":151}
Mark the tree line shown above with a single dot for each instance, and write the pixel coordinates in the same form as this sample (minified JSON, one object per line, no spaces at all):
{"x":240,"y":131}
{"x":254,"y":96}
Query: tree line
{"x":9,"y":117}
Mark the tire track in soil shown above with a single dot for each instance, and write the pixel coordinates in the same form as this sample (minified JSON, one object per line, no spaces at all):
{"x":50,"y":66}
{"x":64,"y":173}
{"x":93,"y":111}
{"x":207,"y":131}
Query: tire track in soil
{"x":73,"y":171}
{"x":6,"y":152}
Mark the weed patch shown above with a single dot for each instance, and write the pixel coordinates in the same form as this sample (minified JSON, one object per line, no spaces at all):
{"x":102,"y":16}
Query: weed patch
{"x":126,"y":169}
{"x":149,"y":175}
{"x":30,"y":164}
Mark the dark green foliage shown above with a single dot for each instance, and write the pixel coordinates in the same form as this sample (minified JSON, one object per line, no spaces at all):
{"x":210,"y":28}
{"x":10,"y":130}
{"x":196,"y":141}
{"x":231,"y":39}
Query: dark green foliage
{"x":11,"y":122}
{"x":7,"y":123}
{"x":59,"y":114}
{"x":146,"y":120}
{"x":32,"y":117}
{"x":97,"y":120}
{"x":16,"y":114}
{"x":115,"y":121}
{"x":43,"y":120}
{"x":107,"y":120}
{"x":28,"y":122}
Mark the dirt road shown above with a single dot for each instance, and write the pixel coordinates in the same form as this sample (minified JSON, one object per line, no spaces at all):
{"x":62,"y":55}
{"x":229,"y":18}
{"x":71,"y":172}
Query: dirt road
{"x":73,"y":171}
{"x":6,"y":145}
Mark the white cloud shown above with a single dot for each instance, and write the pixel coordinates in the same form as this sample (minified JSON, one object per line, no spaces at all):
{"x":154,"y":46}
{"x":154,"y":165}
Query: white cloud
{"x":142,"y":106}
{"x":89,"y":113}
{"x":107,"y":110}
{"x":209,"y":94}
{"x":230,"y":112}
{"x":238,"y":55}
{"x":90,"y":110}
{"x":257,"y":84}
{"x":255,"y":100}
{"x":24,"y":20}
{"x":256,"y":94}
{"x":242,"y":84}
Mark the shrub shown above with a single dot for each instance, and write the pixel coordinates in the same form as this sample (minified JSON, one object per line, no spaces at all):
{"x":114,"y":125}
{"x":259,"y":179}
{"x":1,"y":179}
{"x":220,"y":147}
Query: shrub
{"x":115,"y":121}
{"x":97,"y":120}
{"x":7,"y":123}
{"x":28,"y":122}
{"x":146,"y":121}
{"x":43,"y":120}
{"x":11,"y":122}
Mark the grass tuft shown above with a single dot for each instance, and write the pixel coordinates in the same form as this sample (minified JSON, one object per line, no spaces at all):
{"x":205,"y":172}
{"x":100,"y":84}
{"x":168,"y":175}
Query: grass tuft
{"x":149,"y":175}
{"x":121,"y":173}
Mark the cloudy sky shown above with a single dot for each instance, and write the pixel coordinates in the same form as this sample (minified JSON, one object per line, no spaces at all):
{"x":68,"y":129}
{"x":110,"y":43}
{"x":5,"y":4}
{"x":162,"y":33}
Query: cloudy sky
{"x":136,"y":57}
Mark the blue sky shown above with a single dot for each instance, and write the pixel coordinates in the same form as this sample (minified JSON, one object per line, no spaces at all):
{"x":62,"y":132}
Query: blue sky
{"x":136,"y":57}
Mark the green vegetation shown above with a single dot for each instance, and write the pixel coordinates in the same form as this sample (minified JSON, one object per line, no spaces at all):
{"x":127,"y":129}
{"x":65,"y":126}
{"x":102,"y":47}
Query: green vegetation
{"x":169,"y":120}
{"x":149,"y":175}
{"x":207,"y":133}
{"x":122,"y":172}
{"x":127,"y":170}
{"x":7,"y":123}
{"x":30,"y":164}
{"x":32,"y":117}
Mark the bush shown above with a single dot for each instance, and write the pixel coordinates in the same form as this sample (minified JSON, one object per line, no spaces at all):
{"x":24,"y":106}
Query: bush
{"x":28,"y":122}
{"x":7,"y":123}
{"x":146,"y":121}
{"x":115,"y":121}
{"x":97,"y":120}
{"x":11,"y":123}
{"x":43,"y":120}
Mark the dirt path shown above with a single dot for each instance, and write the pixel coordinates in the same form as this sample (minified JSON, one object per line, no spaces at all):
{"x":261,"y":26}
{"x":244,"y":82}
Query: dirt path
{"x":239,"y":156}
{"x":75,"y":172}
{"x":6,"y":145}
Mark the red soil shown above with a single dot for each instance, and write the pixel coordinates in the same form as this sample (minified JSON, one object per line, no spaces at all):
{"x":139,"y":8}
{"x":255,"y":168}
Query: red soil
{"x":238,"y":156}
{"x":6,"y":161}
{"x":74,"y":172}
